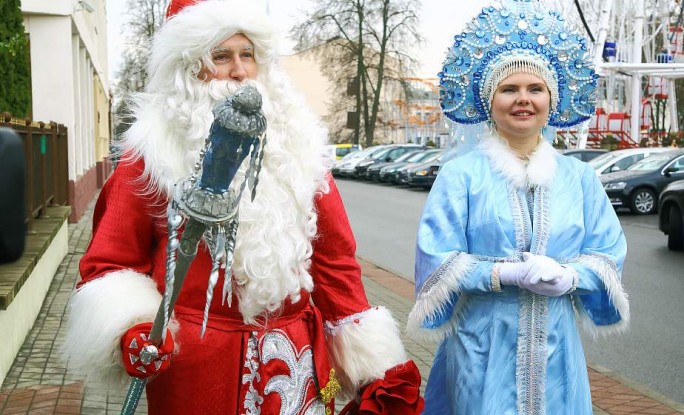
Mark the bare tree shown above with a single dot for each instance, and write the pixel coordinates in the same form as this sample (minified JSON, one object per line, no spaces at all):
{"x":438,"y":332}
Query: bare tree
{"x":365,"y":41}
{"x":145,"y":17}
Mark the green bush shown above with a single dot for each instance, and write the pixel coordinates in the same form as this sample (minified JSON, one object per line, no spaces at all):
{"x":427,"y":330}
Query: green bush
{"x":15,"y":73}
{"x":609,"y":142}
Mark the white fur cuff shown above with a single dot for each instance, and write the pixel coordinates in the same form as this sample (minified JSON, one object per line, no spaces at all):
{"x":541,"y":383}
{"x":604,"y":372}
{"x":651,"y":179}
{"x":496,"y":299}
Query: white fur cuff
{"x":362,"y":347}
{"x":607,"y":271}
{"x":435,"y":294}
{"x":100,"y":312}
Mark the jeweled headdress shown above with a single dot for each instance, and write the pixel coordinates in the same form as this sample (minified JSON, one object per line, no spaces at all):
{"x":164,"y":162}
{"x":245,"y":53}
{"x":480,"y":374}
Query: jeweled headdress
{"x":511,"y":36}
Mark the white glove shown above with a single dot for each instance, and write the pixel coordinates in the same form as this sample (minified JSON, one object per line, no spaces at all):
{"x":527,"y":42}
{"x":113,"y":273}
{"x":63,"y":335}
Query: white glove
{"x":513,"y":273}
{"x":542,"y":268}
{"x":546,"y":276}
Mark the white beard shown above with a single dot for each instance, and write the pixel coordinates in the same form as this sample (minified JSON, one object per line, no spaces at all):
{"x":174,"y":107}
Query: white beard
{"x":273,"y":247}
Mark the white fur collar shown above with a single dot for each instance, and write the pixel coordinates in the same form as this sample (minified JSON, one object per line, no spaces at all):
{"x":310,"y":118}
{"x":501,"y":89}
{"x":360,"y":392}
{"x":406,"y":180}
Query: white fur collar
{"x":538,"y":171}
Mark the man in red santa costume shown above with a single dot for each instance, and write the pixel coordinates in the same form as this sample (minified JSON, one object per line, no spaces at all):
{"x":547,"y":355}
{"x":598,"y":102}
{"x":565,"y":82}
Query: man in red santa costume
{"x":299,"y":328}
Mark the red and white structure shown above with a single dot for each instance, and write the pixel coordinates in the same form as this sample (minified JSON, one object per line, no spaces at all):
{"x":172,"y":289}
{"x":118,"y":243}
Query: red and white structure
{"x":638,"y":98}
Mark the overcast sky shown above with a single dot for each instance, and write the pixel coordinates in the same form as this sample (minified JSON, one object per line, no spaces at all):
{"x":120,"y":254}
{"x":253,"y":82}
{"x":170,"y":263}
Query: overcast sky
{"x":440,"y":21}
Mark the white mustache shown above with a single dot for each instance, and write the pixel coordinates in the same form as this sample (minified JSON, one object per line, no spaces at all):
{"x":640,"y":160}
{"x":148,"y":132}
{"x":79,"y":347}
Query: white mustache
{"x":220,"y":88}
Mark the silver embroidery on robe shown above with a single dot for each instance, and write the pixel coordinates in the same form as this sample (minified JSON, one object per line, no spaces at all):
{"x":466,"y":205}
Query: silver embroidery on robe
{"x":532,"y":228}
{"x":315,"y":407}
{"x":291,"y":389}
{"x":253,"y":400}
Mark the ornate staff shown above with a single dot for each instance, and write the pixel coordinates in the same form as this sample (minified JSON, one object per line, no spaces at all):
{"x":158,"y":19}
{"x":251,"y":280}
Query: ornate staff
{"x":208,"y":208}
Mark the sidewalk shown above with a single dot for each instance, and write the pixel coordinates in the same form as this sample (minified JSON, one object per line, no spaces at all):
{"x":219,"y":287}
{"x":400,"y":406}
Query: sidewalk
{"x":38,"y":383}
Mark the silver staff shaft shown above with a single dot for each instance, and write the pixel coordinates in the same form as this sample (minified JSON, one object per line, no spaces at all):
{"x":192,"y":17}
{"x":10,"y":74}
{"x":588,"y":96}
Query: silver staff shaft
{"x":186,"y":253}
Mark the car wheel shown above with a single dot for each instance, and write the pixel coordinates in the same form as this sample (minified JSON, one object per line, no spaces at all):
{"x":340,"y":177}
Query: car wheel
{"x":643,"y":201}
{"x":675,"y":230}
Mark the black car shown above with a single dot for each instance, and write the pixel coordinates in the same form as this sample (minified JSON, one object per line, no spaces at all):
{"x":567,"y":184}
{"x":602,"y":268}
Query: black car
{"x":392,"y":172}
{"x":424,"y":175}
{"x":639,"y":186}
{"x":671,"y":210}
{"x":373,"y":171}
{"x":391,"y":153}
{"x":584,"y":154}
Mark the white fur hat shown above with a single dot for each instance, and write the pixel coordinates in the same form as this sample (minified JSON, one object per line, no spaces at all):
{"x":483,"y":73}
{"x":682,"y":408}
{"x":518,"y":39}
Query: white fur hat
{"x":185,"y":40}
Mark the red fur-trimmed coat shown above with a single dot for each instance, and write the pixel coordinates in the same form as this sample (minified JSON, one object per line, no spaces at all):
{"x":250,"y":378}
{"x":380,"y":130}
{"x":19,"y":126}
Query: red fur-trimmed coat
{"x":290,"y":362}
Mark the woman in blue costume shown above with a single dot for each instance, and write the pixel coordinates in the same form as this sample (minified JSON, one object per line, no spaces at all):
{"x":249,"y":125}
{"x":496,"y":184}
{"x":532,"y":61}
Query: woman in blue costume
{"x":516,"y":244}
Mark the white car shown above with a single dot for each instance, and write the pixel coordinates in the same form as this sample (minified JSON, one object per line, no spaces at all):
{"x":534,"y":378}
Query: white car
{"x":347,"y":165}
{"x":621,"y":159}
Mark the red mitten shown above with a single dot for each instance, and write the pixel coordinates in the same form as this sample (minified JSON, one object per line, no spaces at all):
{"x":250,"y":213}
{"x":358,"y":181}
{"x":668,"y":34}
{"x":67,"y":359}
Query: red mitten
{"x":142,"y":359}
{"x":398,"y":393}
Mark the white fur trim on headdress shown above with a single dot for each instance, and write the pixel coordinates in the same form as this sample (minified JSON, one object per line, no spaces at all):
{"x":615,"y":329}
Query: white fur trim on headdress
{"x":100,"y":312}
{"x":185,"y":41}
{"x":363,"y":347}
{"x":513,"y":64}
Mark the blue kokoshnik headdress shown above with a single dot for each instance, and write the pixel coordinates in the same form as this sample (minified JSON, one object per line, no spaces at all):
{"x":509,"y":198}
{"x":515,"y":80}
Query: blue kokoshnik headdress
{"x":517,"y":36}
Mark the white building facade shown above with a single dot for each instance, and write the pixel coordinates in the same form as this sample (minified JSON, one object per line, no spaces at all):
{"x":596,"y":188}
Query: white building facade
{"x":70,"y":85}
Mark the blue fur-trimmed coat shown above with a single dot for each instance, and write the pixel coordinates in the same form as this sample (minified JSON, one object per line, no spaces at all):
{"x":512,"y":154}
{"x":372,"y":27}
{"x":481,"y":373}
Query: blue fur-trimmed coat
{"x":513,"y":351}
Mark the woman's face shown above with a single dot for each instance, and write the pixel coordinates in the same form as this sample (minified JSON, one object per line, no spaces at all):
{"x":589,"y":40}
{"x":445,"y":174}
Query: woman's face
{"x":520,"y":107}
{"x":234,"y":60}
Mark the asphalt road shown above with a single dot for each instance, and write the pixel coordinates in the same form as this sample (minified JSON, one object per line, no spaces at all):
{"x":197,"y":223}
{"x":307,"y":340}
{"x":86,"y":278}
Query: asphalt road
{"x":385,"y":219}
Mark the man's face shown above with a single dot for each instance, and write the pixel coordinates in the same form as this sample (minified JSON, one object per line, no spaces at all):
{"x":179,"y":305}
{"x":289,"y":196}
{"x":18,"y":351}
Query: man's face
{"x":234,"y":60}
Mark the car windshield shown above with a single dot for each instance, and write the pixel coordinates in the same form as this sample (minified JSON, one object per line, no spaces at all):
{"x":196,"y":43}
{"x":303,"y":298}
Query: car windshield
{"x":599,"y":161}
{"x":354,"y":154}
{"x":380,"y":153}
{"x":408,"y":156}
{"x":650,"y":163}
{"x":426,"y":156}
{"x":412,"y":157}
{"x":343,"y":151}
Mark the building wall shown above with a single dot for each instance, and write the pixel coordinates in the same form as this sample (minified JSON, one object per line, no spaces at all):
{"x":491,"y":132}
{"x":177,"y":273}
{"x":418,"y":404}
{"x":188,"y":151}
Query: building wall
{"x":71,"y":85}
{"x":51,"y":80}
{"x":101,"y":120}
{"x":307,"y":79}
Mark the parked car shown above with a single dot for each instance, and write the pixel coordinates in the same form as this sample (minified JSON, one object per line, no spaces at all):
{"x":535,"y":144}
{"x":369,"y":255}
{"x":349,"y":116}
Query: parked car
{"x":584,"y":154}
{"x":621,"y":159}
{"x":337,"y":151}
{"x":373,"y":170}
{"x":391,"y":153}
{"x":336,"y":164}
{"x":348,"y":168}
{"x":639,"y":186}
{"x":404,"y":173}
{"x":392,"y":172}
{"x":423,"y":176}
{"x":671,"y":214}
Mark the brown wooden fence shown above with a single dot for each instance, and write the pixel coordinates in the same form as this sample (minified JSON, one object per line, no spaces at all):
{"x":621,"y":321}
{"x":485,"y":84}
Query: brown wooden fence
{"x":46,"y":156}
